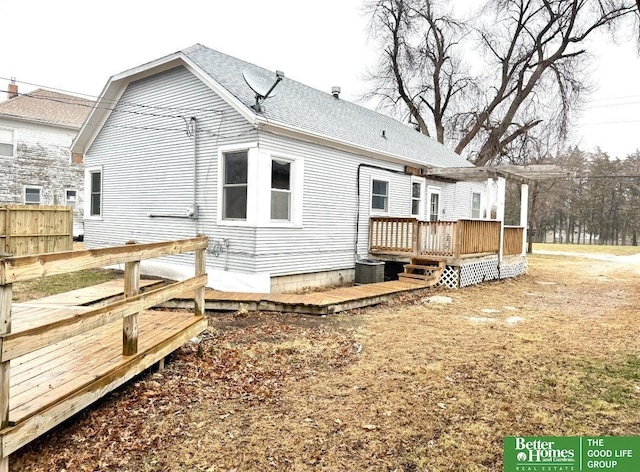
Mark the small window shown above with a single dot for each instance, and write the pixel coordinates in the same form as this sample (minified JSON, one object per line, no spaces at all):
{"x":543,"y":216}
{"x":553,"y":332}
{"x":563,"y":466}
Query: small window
{"x":234,"y":193}
{"x":6,"y":143}
{"x":32,"y":195}
{"x":95,"y":207}
{"x":380,"y":195}
{"x":280,"y":190}
{"x":70,"y":198}
{"x":475,"y":205}
{"x":416,"y":198}
{"x":434,"y":207}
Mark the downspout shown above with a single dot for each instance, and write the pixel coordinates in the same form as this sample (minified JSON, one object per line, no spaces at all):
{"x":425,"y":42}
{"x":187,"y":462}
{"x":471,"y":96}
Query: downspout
{"x":193,"y":213}
{"x":369,"y":166}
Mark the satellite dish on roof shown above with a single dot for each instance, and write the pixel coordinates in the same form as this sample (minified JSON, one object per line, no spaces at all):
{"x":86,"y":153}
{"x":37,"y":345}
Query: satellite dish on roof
{"x":262,"y":84}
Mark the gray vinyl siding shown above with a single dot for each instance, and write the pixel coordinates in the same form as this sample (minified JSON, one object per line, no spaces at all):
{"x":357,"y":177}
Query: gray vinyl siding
{"x":458,"y":198}
{"x":147,"y":161}
{"x":327,"y":237}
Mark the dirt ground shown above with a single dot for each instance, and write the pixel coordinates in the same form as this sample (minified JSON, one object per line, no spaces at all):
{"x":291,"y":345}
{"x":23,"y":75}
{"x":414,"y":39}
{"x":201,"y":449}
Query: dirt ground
{"x":407,"y":386}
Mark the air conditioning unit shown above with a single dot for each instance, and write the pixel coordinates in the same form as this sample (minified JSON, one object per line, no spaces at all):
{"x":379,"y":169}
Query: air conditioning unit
{"x":369,"y":271}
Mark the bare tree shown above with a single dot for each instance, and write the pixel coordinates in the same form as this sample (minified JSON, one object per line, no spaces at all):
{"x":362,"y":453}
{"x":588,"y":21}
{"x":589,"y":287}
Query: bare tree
{"x":532,"y":56}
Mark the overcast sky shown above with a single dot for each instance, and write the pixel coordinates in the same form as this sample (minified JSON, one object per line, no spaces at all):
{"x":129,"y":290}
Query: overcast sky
{"x":75,"y":45}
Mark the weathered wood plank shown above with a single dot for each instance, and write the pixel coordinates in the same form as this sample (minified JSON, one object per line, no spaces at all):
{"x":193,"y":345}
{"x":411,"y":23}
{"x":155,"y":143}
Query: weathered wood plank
{"x":130,"y":323}
{"x":22,"y":433}
{"x":95,"y":360}
{"x":5,"y":371}
{"x":198,"y":294}
{"x":89,"y":295}
{"x":17,"y":269}
{"x":20,"y":343}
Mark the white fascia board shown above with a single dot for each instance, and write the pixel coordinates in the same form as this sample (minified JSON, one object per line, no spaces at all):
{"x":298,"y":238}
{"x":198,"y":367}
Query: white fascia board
{"x":116,"y":86}
{"x":324,"y":140}
{"x":111,"y":94}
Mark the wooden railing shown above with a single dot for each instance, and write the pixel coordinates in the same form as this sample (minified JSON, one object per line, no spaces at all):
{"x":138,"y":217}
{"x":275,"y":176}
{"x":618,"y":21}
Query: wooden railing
{"x":452,"y":239}
{"x":478,"y":237}
{"x":24,"y":268}
{"x":437,"y":238}
{"x":512,"y":240}
{"x":392,"y":234}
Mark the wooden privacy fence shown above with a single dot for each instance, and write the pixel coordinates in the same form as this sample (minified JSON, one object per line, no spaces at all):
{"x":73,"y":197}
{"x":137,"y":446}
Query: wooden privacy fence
{"x":452,"y":239}
{"x":71,"y":324}
{"x":35,"y":229}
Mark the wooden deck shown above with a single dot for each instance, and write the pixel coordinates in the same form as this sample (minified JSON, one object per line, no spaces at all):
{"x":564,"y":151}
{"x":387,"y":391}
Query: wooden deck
{"x":319,"y":303}
{"x":59,"y":354}
{"x":51,"y":384}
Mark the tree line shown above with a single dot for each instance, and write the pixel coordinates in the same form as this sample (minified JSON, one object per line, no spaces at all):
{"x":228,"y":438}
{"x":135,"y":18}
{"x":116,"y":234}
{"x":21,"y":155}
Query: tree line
{"x":600,"y":205}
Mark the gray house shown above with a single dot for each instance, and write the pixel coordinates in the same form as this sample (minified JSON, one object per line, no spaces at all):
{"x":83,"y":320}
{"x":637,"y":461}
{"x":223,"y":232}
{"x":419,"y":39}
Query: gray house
{"x":36,"y":132}
{"x":291,"y":189}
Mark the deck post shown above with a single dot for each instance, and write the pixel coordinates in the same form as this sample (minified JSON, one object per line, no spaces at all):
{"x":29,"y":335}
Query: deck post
{"x":457,"y":248}
{"x":524,"y":210}
{"x":5,"y":328}
{"x":130,"y":323}
{"x":198,"y":294}
{"x":416,"y":243}
{"x":500,"y":216}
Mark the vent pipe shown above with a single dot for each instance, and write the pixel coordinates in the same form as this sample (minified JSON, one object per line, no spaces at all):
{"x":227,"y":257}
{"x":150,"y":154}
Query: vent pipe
{"x":335,"y":91}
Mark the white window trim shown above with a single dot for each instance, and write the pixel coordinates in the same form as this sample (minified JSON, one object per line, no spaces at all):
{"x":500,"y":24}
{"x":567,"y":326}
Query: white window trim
{"x":77,"y":195}
{"x":430,"y":191}
{"x":377,"y":211}
{"x":266,"y":156}
{"x":87,"y":192}
{"x":422,"y":182}
{"x":15,"y":143}
{"x":24,"y":194}
{"x":252,"y":179}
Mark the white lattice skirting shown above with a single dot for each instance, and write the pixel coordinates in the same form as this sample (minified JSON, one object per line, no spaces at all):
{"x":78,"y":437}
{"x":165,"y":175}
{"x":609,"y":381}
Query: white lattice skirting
{"x":478,"y":271}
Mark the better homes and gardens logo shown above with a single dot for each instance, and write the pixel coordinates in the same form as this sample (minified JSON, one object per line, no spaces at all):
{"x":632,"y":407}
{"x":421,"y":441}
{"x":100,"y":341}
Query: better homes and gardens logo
{"x":571,"y":454}
{"x":541,"y":454}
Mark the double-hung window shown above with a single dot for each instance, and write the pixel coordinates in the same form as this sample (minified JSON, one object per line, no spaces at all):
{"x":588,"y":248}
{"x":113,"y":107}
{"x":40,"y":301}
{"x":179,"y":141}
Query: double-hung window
{"x":235,"y":183}
{"x":93,"y":192}
{"x":280,"y":190}
{"x":32,"y":195}
{"x":6,"y":143}
{"x":380,"y":195}
{"x":416,"y":198}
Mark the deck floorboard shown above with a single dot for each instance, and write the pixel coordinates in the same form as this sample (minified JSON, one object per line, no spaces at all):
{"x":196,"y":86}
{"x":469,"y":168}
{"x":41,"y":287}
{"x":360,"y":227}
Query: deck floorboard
{"x":50,"y":384}
{"x":330,"y":301}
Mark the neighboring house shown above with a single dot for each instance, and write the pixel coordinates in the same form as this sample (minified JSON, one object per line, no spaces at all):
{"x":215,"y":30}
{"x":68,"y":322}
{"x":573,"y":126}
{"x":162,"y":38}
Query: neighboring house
{"x":175,"y":148}
{"x":36,"y":167}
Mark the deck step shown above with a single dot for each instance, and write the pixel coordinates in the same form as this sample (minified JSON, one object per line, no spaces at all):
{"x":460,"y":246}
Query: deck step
{"x":421,"y":267}
{"x":405,"y":275}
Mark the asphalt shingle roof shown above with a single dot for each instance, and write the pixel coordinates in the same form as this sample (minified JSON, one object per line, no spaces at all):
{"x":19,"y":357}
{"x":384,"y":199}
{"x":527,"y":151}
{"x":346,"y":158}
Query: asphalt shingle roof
{"x":48,"y":107}
{"x":306,"y":108}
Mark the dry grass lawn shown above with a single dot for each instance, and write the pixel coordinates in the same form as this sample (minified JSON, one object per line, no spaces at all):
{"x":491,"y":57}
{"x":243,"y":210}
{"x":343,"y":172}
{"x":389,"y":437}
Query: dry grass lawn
{"x":408,"y":386}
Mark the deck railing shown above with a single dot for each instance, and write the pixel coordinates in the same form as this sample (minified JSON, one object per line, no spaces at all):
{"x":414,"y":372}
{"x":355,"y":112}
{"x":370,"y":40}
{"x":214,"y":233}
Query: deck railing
{"x":513,"y":240}
{"x":452,"y":239}
{"x":24,"y":268}
{"x":392,"y":234}
{"x":437,"y":238}
{"x":478,"y":237}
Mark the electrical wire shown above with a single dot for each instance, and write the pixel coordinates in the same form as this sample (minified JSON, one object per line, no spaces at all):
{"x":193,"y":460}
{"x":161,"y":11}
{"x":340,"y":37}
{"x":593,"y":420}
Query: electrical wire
{"x":113,"y":101}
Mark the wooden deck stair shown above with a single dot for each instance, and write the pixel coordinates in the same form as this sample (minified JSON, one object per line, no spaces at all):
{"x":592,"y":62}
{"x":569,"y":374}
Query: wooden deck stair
{"x":424,"y":270}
